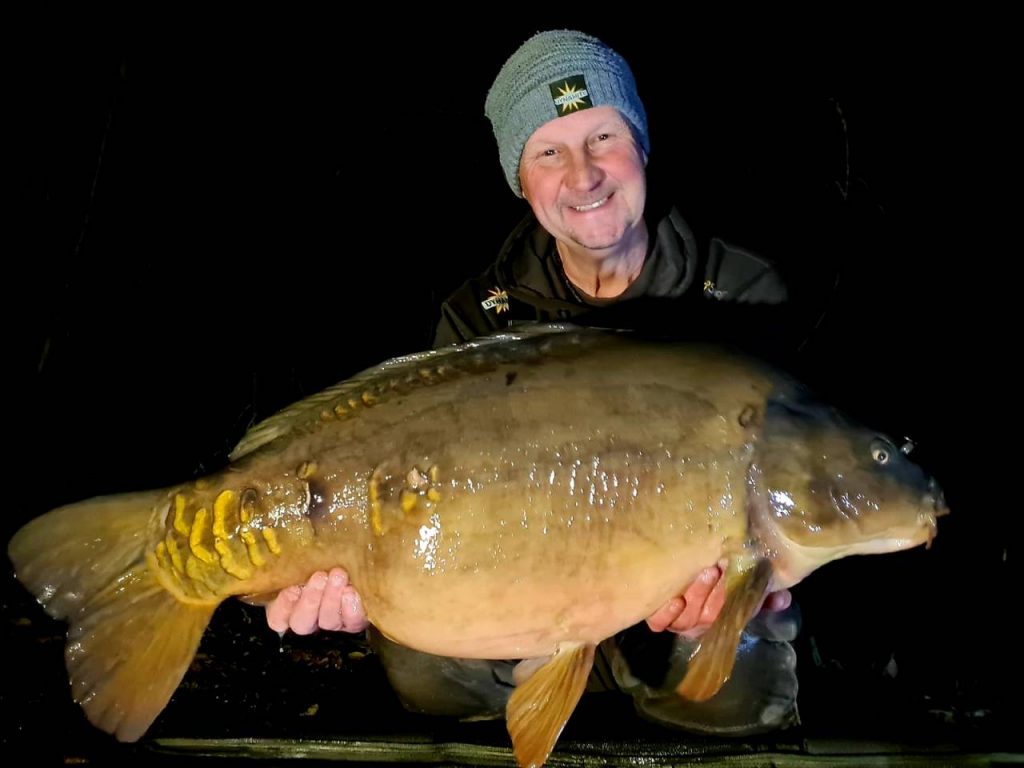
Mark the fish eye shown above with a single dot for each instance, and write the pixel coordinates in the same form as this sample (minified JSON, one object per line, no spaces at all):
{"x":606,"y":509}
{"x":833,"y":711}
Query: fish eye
{"x":881,"y":451}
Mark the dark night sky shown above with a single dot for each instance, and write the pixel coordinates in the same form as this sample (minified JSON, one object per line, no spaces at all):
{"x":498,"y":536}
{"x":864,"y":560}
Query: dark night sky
{"x":220,"y":227}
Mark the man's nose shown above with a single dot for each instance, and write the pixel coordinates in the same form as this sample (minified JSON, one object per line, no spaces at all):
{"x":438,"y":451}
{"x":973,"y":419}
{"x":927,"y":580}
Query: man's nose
{"x":584,"y":174}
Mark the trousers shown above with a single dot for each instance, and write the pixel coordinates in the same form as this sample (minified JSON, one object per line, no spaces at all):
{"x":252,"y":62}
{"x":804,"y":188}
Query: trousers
{"x":760,"y":695}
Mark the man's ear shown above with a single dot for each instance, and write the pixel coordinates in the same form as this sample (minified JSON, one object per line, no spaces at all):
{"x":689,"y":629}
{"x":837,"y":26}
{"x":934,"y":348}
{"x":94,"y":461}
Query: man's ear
{"x":523,"y":189}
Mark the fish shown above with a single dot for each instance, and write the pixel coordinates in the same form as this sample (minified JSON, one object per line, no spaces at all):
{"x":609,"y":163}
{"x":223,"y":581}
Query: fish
{"x":524,"y":495}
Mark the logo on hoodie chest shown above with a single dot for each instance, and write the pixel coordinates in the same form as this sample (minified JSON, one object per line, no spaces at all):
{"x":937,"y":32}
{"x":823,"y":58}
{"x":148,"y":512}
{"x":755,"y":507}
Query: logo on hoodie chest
{"x":498,"y":301}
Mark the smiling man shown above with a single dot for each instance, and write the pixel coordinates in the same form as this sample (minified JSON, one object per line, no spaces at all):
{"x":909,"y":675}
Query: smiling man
{"x":594,"y":247}
{"x":597,"y":243}
{"x":583,"y":176}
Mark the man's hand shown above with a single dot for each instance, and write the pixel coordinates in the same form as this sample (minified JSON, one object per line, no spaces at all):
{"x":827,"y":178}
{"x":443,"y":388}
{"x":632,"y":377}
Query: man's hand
{"x":327,"y":601}
{"x":692,"y":612}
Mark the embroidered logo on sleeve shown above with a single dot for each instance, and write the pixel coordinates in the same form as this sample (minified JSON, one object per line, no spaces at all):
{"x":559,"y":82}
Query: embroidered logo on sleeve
{"x":498,"y":301}
{"x":570,"y":95}
{"x":711,"y":292}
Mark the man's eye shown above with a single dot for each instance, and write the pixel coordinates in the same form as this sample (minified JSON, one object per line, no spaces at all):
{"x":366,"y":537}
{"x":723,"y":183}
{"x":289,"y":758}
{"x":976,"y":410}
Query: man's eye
{"x":603,"y":136}
{"x":549,"y":153}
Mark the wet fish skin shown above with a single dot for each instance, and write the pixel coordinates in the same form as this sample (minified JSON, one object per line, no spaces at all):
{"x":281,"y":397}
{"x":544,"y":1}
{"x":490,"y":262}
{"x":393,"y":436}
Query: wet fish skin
{"x":522,"y":496}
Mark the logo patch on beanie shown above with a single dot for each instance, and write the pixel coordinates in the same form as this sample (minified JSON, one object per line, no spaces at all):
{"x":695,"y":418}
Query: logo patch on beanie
{"x":570,"y":94}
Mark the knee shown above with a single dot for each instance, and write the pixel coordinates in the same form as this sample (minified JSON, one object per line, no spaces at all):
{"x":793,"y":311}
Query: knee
{"x":439,"y":685}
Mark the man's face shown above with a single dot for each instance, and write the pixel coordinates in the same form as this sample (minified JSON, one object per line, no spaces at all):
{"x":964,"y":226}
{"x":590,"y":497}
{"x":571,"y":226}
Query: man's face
{"x":583,"y":175}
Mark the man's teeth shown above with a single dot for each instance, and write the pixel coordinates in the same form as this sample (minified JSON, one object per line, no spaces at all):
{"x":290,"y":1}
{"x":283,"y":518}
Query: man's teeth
{"x":592,"y":206}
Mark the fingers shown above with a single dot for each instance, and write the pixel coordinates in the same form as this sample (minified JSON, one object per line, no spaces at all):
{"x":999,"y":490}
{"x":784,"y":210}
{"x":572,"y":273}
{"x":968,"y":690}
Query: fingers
{"x":697,"y":608}
{"x":330,"y":617}
{"x":341,"y":608}
{"x":665,"y":615}
{"x":306,"y":614}
{"x":713,"y":603}
{"x":327,"y":601}
{"x":695,"y":616}
{"x":691,"y":611}
{"x":353,"y":617}
{"x":279,"y":611}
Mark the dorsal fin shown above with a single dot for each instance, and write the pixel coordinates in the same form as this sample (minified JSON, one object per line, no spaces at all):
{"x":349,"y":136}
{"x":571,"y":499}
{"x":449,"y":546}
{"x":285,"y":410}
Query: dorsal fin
{"x":422,"y":368}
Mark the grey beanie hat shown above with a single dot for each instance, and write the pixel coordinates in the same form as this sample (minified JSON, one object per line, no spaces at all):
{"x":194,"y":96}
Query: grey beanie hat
{"x":553,"y":74}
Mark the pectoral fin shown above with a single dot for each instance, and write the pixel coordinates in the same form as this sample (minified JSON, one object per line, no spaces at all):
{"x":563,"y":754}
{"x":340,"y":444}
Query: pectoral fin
{"x":539,"y":708}
{"x":711,"y":665}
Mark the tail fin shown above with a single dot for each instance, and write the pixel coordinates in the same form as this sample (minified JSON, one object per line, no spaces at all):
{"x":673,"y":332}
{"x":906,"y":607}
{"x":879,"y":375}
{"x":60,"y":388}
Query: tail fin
{"x":130,"y":641}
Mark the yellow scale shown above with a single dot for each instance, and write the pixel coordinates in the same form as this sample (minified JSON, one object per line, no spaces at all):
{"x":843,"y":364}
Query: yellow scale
{"x":186,"y":550}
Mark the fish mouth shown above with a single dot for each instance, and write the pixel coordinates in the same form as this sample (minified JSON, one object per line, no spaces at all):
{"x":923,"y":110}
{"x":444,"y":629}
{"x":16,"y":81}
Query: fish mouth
{"x":936,"y":499}
{"x":935,"y":502}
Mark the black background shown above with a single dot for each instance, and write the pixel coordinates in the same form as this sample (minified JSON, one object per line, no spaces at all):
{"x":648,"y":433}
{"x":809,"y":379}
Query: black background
{"x":221,"y":221}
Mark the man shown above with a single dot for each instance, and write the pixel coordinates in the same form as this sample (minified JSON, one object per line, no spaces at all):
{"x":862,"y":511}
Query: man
{"x":596,"y":247}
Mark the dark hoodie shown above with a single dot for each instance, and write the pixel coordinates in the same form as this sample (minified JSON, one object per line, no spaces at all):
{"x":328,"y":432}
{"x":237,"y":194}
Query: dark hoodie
{"x":709,"y":291}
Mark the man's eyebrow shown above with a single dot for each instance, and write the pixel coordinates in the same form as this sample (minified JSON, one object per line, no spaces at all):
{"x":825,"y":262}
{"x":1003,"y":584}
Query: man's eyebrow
{"x":611,"y":124}
{"x":534,"y":142}
{"x":603,"y":127}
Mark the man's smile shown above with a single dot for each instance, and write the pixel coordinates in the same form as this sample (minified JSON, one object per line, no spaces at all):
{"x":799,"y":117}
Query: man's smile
{"x":591,"y":206}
